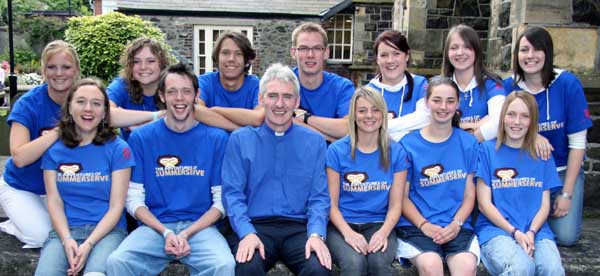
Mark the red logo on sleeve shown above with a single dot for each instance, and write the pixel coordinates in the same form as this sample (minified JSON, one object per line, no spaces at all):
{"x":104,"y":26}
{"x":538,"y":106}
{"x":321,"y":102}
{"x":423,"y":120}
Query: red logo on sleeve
{"x":126,"y":153}
{"x":586,"y":112}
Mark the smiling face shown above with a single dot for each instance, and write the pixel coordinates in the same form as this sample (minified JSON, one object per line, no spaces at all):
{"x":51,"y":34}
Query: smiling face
{"x":231,"y":60}
{"x":146,"y":67}
{"x":87,"y":110}
{"x":60,"y":72}
{"x":310,"y":53}
{"x":279,"y":101}
{"x":368,"y":117}
{"x":516,"y":122}
{"x":531,"y":60}
{"x":179,"y":98}
{"x":392,"y":63}
{"x":461,"y":56}
{"x":443,"y":103}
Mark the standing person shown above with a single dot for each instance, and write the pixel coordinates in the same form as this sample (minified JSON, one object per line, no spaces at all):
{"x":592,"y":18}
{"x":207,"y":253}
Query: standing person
{"x":324,"y":97}
{"x":274,"y":186}
{"x":440,"y":194}
{"x":86,"y":174}
{"x":32,"y":124}
{"x":175,"y":189}
{"x":229,"y":97}
{"x":513,"y":192}
{"x":404,"y":93}
{"x":366,"y":172}
{"x":141,"y":63}
{"x":481,"y":91}
{"x":563,"y":123}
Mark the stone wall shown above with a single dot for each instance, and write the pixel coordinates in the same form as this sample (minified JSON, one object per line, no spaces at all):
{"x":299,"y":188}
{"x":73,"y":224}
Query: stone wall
{"x":271,"y":37}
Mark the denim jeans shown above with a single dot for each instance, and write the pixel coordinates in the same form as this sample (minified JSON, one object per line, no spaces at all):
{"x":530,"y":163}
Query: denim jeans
{"x":502,"y":255}
{"x":567,"y":229}
{"x":351,"y":262}
{"x":53,"y":260}
{"x":143,"y":253}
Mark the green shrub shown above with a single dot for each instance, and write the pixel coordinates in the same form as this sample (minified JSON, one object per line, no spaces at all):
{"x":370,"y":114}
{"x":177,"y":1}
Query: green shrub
{"x":26,"y":60}
{"x":100,"y":40}
{"x":41,"y":30}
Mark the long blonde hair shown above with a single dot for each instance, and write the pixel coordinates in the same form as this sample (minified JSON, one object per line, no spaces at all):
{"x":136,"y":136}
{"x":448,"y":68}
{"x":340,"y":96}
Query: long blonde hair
{"x":383,"y":141}
{"x":529,"y":141}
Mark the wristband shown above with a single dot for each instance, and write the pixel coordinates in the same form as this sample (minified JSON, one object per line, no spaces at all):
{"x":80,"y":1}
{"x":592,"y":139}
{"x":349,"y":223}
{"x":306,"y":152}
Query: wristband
{"x":68,"y":237}
{"x":306,"y":116}
{"x":167,"y":232}
{"x":533,"y":231}
{"x":513,"y":232}
{"x":154,"y":115}
{"x":422,"y":223}
{"x":458,"y":222}
{"x":566,"y":195}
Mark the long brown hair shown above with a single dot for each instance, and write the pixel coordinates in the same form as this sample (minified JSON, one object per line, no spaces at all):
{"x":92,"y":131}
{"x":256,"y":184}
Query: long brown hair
{"x":396,"y":40}
{"x":532,"y":107}
{"x":540,"y":39}
{"x":127,"y":58}
{"x":68,"y":131}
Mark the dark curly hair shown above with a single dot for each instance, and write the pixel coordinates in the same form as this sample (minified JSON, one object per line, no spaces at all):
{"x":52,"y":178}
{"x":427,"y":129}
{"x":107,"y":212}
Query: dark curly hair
{"x":68,"y":131}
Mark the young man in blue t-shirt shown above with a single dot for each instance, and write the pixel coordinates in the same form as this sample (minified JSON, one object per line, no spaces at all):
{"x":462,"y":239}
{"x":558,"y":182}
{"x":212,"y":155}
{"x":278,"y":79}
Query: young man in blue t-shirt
{"x":324,"y":96}
{"x":229,"y":97}
{"x":175,"y":189}
{"x":274,"y":186}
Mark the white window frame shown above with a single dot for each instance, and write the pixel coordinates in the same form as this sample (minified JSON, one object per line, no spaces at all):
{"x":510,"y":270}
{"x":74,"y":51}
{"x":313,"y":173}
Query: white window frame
{"x":332,"y":43}
{"x":208,"y":47}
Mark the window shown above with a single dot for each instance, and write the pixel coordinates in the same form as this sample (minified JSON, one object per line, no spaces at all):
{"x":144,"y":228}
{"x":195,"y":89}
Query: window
{"x":339,"y":33}
{"x":204,"y":42}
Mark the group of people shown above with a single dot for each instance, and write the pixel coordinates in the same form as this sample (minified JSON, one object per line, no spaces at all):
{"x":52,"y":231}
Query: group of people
{"x":228,"y":173}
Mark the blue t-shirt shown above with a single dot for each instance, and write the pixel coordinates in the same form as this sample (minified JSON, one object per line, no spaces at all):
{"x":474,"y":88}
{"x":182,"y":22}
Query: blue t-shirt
{"x":118,"y":92}
{"x":474,"y":104}
{"x":438,"y":173}
{"x":38,"y":113}
{"x":213,"y":93}
{"x":177,"y":169}
{"x":269,"y":175}
{"x":331,"y":99}
{"x":562,"y":109}
{"x":364,"y":185}
{"x":394,"y":96}
{"x":517,"y":182}
{"x":84,"y":178}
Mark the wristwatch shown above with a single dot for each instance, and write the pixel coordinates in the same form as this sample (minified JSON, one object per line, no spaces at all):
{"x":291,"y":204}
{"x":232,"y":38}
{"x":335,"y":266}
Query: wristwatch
{"x":306,"y":116}
{"x":316,"y":236}
{"x":563,"y":194}
{"x":458,"y":222}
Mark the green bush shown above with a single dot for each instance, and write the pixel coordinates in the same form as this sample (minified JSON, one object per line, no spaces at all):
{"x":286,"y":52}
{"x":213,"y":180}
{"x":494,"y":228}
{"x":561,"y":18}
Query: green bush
{"x":100,"y":40}
{"x":41,"y":30}
{"x":26,"y":60}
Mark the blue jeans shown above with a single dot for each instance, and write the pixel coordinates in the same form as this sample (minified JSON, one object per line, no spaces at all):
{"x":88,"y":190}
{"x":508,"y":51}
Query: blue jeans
{"x":567,"y":229}
{"x":53,"y":260}
{"x":143,"y":253}
{"x":351,"y":262}
{"x":502,"y":255}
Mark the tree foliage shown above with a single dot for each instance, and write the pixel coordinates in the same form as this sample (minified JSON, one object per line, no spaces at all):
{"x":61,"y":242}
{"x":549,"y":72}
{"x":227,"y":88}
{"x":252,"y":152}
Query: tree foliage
{"x":22,"y":7}
{"x":100,"y":40}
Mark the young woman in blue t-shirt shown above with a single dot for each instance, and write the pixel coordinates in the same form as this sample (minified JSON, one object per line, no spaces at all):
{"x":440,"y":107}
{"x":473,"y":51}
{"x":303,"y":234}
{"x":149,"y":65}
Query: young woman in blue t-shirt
{"x":563,"y":123}
{"x":481,"y":92}
{"x":86,"y":175}
{"x":436,"y":209}
{"x":403,"y":92}
{"x":513,"y":192}
{"x":366,"y":172}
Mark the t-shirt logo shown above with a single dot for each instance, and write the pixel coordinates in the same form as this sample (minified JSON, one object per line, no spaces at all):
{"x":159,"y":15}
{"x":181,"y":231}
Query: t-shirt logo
{"x":391,"y":115}
{"x":126,"y":153}
{"x":432,"y":170}
{"x":356,"y":178}
{"x":506,"y":173}
{"x":168,"y":161}
{"x":69,"y":168}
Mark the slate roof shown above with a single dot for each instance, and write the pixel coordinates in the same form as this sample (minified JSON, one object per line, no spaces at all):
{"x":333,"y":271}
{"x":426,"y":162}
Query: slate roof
{"x":289,"y":7}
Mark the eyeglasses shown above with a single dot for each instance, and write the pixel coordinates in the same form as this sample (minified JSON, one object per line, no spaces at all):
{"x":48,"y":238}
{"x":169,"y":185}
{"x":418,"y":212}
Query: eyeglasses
{"x":315,"y":50}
